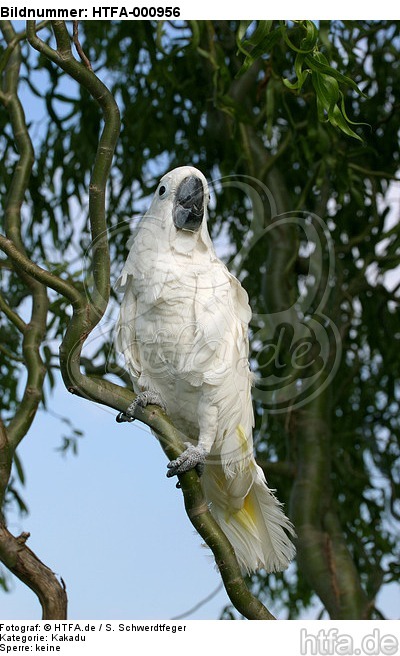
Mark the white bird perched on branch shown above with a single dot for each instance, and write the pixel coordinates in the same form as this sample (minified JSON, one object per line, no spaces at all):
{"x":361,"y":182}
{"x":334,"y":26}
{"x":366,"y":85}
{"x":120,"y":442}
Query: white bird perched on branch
{"x":183,"y":330}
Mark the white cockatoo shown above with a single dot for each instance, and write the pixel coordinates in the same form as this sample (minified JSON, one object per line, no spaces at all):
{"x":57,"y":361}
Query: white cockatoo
{"x":183,"y":330}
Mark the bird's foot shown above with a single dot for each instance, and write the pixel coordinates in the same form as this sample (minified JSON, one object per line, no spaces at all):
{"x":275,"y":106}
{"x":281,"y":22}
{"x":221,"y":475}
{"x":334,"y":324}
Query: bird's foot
{"x":192,"y":457}
{"x":142,"y":400}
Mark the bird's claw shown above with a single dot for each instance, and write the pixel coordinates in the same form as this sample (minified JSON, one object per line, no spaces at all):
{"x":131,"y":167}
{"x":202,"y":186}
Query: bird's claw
{"x":194,"y":457}
{"x":142,"y":400}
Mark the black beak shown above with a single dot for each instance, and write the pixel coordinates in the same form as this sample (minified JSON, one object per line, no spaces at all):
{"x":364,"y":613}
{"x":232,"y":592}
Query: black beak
{"x":188,"y":208}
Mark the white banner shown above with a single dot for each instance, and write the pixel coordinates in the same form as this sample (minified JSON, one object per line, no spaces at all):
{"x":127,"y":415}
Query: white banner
{"x":191,"y":10}
{"x":358,"y":638}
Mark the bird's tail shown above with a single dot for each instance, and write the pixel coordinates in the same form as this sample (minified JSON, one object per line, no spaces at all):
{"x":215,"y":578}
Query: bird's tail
{"x":254,"y":522}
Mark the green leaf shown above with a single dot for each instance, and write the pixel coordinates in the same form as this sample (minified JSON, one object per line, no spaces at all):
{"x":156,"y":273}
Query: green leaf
{"x":270,"y":106}
{"x":337,"y":119}
{"x":22,"y":507}
{"x":3,"y":581}
{"x":260,"y":33}
{"x":242,"y":29}
{"x":327,"y":91}
{"x":262,"y":46}
{"x":342,"y":106}
{"x":300,"y":74}
{"x":328,"y":97}
{"x":310,"y":40}
{"x":19,"y":469}
{"x":318,"y":63}
{"x":308,"y":43}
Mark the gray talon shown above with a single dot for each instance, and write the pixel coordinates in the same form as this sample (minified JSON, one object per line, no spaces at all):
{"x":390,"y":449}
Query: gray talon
{"x":192,"y":457}
{"x":142,"y":400}
{"x":122,"y":416}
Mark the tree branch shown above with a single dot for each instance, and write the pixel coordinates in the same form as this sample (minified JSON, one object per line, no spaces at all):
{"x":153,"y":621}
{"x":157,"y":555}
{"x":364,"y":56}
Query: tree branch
{"x":90,"y":311}
{"x":199,"y":604}
{"x":78,"y":46}
{"x":22,"y":562}
{"x":33,"y":331}
{"x":100,"y":391}
{"x":11,"y":315}
{"x":13,"y":551}
{"x":321,"y":548}
{"x":10,"y":355}
{"x":280,"y":468}
{"x":17,"y":38}
{"x":23,"y":263}
{"x":5,"y":464}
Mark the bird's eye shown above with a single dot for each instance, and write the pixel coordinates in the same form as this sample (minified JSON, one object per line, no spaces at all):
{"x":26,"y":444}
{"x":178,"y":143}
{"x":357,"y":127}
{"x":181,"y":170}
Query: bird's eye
{"x":162,"y":190}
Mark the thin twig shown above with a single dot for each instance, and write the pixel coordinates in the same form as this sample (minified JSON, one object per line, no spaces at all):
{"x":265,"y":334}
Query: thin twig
{"x":12,"y":316}
{"x":199,"y":604}
{"x":78,"y":46}
{"x":5,"y":464}
{"x":18,"y":37}
{"x":10,"y":355}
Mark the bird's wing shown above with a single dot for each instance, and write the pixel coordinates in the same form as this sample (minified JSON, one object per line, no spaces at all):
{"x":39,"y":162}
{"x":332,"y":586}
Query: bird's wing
{"x":125,"y":335}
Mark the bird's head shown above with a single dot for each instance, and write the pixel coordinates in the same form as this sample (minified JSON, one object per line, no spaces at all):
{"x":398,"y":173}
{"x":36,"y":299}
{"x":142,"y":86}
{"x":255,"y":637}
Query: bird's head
{"x":180,"y":204}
